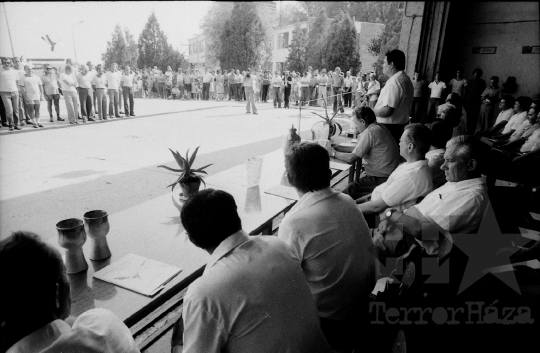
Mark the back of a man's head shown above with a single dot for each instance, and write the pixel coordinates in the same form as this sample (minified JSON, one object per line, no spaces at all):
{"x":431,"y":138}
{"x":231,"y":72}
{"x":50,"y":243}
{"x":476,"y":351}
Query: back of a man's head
{"x":31,"y":273}
{"x":420,"y":136}
{"x":308,"y":167}
{"x":397,"y":57}
{"x":441,"y":133}
{"x":365,"y":113}
{"x":209,"y":217}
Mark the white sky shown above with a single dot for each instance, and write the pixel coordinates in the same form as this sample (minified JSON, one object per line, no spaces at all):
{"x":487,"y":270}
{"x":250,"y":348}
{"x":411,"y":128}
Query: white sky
{"x":29,"y":21}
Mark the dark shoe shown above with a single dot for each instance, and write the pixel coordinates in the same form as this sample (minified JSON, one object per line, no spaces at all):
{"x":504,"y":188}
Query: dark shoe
{"x":132,"y":114}
{"x":121,"y":112}
{"x":51,"y":120}
{"x":256,"y":113}
{"x":35,"y":126}
{"x":60,"y":119}
{"x":29,"y":122}
{"x":5,"y":125}
{"x":16,"y":128}
{"x":91,"y":119}
{"x":117,"y":116}
{"x":40,"y":125}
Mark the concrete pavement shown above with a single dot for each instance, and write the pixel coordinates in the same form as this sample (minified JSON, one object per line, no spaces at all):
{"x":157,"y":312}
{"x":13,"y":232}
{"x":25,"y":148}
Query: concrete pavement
{"x":63,"y":170}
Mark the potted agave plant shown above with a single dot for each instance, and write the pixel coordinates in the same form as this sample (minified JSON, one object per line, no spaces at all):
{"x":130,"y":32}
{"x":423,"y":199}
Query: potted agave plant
{"x":188,"y":180}
{"x":327,"y":123}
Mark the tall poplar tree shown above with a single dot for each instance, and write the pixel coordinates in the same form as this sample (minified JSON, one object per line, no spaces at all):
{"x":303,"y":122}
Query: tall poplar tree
{"x":318,"y":35}
{"x":342,"y":49}
{"x":296,"y":60}
{"x":242,"y":38}
{"x":116,"y":49}
{"x":154,"y":49}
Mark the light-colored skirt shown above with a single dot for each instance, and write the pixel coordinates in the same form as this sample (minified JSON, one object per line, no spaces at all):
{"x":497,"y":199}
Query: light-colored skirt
{"x":219,"y":88}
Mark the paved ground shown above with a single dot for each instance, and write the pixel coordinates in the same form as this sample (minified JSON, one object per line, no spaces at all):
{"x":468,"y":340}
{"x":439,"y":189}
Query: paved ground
{"x":62,"y":171}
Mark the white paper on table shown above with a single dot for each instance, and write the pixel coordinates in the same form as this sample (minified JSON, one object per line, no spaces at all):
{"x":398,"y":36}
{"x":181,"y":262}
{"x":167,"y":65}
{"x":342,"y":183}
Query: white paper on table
{"x":286,"y":192}
{"x":139,"y":274}
{"x":529,"y":233}
{"x":535,"y":216}
{"x":339,"y":166}
{"x":505,"y":183}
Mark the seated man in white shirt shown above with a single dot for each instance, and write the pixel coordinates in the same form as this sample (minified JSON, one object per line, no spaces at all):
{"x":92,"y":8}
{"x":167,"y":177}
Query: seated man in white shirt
{"x":330,"y":237}
{"x":35,"y":301}
{"x":456,"y":207}
{"x":252,"y":296}
{"x":521,"y":107}
{"x":409,"y":181}
{"x":507,"y":110}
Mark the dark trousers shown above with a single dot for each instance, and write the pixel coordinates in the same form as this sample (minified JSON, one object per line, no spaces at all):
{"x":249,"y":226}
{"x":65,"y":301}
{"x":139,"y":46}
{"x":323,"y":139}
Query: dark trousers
{"x":433,"y":104}
{"x":53,"y":98}
{"x":286,"y":96}
{"x":415,"y":110}
{"x":277,"y":96}
{"x":86,"y":98}
{"x":363,"y":186}
{"x":396,"y":130}
{"x":264,"y":92}
{"x":127,"y":92}
{"x":232,"y":89}
{"x":305,"y":95}
{"x":238,"y":91}
{"x":337,"y":100}
{"x":3,"y":113}
{"x":347,"y":97}
{"x":206,"y":90}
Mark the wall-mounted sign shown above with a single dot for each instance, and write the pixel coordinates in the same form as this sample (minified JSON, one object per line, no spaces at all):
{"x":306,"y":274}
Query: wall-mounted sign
{"x":484,"y":50}
{"x":531,"y":50}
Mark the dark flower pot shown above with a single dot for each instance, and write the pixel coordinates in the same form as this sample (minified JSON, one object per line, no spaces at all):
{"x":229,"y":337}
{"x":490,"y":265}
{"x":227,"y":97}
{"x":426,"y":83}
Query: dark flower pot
{"x":189,"y":188}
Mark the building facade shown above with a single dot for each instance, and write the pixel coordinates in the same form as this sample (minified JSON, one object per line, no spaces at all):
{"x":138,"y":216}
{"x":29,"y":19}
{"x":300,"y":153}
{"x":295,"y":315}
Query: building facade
{"x":283,"y":36}
{"x":198,"y":57}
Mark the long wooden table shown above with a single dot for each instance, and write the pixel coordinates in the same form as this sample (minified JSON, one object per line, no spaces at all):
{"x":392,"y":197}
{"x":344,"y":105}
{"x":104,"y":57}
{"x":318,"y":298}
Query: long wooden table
{"x":153,"y":229}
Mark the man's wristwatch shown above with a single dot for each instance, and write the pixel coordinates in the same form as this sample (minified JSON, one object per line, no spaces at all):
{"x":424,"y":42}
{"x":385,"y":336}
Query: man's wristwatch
{"x":389,"y":213}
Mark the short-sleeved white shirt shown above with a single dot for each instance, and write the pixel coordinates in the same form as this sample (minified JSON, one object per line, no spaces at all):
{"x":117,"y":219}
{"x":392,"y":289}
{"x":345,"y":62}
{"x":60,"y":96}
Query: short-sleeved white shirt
{"x":505,"y":115}
{"x":405,"y":185}
{"x":252,"y":297}
{"x":532,"y":143}
{"x":113,"y":79}
{"x":330,"y":237}
{"x":515,"y":122}
{"x":31,"y":85}
{"x":127,"y":80}
{"x":85,"y":81}
{"x":69,"y":78}
{"x":436,"y":89}
{"x":398,"y":93}
{"x":457,"y":207}
{"x":8,"y":80}
{"x":378,"y":150}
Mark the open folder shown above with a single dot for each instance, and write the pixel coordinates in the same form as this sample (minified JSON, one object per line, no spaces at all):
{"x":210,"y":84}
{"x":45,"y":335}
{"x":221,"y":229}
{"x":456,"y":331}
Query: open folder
{"x":139,"y":274}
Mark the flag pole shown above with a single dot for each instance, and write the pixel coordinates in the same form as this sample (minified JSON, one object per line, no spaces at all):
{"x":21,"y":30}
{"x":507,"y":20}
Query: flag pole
{"x":9,"y":31}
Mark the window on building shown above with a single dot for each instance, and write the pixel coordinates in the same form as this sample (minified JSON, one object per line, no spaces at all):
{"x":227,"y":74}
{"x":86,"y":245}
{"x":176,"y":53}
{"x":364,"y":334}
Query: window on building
{"x":283,"y":40}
